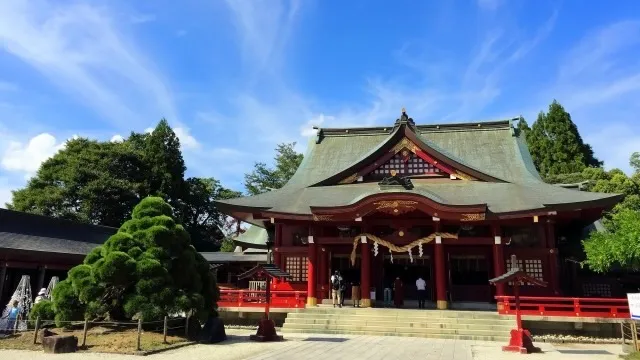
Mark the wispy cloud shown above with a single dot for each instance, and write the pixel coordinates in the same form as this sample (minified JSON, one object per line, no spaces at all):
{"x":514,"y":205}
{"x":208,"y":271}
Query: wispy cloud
{"x":265,"y":28}
{"x":142,"y":18}
{"x":599,"y":83}
{"x":81,"y":50}
{"x":490,"y":5}
{"x":8,"y":86}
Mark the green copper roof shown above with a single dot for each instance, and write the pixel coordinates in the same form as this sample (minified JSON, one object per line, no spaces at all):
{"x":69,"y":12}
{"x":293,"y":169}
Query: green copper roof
{"x":499,"y":197}
{"x":254,"y":236}
{"x":491,"y":148}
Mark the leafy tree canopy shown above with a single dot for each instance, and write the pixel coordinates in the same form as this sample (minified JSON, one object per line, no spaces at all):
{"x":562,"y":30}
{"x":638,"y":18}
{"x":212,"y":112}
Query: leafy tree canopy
{"x":556,"y":145}
{"x":100,"y":182}
{"x":264,"y":178}
{"x":619,"y":244}
{"x":147,"y":270}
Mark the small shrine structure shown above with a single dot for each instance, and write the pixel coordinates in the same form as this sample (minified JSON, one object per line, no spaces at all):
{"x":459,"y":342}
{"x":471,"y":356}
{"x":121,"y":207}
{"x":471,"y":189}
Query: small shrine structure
{"x":520,"y":338}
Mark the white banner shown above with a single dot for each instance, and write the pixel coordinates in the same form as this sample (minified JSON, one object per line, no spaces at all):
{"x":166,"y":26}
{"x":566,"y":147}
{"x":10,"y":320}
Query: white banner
{"x":634,"y":305}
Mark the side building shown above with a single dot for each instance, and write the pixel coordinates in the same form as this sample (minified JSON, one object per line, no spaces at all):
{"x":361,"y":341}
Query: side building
{"x":449,"y":203}
{"x":43,"y":247}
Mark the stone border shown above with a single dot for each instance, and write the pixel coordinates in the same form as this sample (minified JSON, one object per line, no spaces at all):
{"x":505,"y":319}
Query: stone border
{"x":170,"y":347}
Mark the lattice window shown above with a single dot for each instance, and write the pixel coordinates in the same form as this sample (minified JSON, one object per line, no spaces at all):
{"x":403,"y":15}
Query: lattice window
{"x":406,"y":163}
{"x":533,"y":268}
{"x":596,"y":290}
{"x":297,"y":268}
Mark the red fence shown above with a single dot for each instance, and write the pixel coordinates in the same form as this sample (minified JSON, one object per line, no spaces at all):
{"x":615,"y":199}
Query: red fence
{"x":253,"y":298}
{"x":569,"y":307}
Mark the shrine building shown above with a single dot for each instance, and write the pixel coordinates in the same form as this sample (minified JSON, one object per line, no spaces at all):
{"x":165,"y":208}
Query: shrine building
{"x":449,"y":203}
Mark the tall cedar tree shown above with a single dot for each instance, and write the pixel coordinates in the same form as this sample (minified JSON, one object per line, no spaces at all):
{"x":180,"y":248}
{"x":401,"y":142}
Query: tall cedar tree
{"x":556,"y":146}
{"x":264,"y":178}
{"x":147,"y":270}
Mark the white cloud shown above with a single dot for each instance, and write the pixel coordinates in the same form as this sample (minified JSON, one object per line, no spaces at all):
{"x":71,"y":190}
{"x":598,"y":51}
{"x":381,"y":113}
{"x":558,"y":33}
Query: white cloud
{"x":117,"y":138}
{"x":26,"y":158}
{"x":187,"y":141}
{"x":142,"y":18}
{"x":5,"y":191}
{"x":79,"y":48}
{"x":490,"y":5}
{"x":8,"y":86}
{"x":307,"y":129}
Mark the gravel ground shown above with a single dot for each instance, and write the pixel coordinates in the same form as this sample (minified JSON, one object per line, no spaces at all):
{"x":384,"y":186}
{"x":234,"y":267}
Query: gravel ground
{"x":353,"y":347}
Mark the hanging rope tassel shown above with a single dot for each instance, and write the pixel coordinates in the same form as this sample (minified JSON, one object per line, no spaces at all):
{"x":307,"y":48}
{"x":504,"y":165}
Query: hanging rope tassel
{"x":392,"y":247}
{"x":391,"y":256}
{"x":375,"y":249}
{"x":420,"y":252}
{"x":410,"y":255}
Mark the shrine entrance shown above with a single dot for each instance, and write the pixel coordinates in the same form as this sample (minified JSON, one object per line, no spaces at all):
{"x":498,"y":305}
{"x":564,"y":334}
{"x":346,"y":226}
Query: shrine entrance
{"x":469,"y":278}
{"x":408,"y":272}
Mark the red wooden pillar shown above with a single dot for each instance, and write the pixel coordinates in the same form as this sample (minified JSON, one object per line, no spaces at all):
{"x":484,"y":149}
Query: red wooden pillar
{"x":311,"y":273}
{"x":550,"y":233}
{"x":440,"y":273}
{"x":365,"y":273}
{"x":498,"y":258}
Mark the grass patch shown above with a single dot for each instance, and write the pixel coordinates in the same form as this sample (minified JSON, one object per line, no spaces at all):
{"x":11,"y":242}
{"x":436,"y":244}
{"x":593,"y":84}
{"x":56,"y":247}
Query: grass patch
{"x":99,"y":339}
{"x":631,"y":356}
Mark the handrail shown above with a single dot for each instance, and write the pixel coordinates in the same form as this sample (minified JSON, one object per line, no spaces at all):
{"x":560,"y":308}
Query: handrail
{"x":257,"y":298}
{"x":565,"y":306}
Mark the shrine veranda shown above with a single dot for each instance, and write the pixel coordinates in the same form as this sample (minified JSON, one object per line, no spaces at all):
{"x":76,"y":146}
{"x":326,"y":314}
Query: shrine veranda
{"x":450,"y":203}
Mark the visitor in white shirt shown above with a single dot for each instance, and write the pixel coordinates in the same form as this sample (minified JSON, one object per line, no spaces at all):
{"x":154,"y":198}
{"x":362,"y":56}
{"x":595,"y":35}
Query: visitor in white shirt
{"x":421,"y":285}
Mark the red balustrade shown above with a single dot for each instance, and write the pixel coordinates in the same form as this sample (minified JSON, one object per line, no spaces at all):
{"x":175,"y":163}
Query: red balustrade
{"x":565,"y":306}
{"x":256,"y":298}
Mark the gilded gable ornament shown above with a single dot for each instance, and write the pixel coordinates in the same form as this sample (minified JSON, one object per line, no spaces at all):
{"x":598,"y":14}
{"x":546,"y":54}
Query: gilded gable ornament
{"x":349,"y":179}
{"x":472,"y":217}
{"x":395,"y":207}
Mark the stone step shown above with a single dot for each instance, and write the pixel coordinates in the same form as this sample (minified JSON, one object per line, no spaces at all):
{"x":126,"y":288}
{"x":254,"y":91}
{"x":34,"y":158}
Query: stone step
{"x":478,"y":336}
{"x":399,"y":317}
{"x":402,"y":312}
{"x":406,"y":325}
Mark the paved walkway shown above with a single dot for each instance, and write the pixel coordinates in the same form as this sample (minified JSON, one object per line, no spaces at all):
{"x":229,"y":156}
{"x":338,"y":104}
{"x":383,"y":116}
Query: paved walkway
{"x":323,"y":347}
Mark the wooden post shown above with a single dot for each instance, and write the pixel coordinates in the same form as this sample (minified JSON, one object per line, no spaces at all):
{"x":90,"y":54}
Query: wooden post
{"x":311,"y":272}
{"x":139,"y":334}
{"x":84,"y":332}
{"x":164,"y":331}
{"x":35,"y":332}
{"x":365,"y":273}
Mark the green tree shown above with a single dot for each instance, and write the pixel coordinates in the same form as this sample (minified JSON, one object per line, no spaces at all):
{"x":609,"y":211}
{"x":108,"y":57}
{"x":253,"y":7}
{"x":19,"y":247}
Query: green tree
{"x":264,"y":178}
{"x":634,"y":161}
{"x":556,"y":145}
{"x":619,"y":245}
{"x":100,"y":182}
{"x":162,"y":155}
{"x":147,"y":270}
{"x":522,"y":126}
{"x":227,"y":245}
{"x":199,"y":214}
{"x":88,"y":181}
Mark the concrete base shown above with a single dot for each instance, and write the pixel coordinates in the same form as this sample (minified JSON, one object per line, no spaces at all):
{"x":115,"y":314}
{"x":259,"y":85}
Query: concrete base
{"x":366,"y":303}
{"x":521,"y":342}
{"x":441,"y":304}
{"x":266,"y":332}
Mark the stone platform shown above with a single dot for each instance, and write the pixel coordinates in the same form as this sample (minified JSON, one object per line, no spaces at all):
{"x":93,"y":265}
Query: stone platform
{"x":439,"y":324}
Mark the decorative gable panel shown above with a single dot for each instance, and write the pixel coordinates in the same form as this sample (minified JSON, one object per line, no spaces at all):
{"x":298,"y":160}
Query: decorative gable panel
{"x":407,"y":163}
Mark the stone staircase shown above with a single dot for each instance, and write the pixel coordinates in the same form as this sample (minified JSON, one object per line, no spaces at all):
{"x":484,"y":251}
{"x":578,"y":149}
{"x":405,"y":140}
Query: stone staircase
{"x":441,"y":324}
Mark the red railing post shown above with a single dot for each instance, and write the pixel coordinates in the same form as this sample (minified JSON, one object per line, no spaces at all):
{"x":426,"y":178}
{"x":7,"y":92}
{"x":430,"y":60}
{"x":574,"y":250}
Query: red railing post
{"x":240,"y":298}
{"x":576,"y":306}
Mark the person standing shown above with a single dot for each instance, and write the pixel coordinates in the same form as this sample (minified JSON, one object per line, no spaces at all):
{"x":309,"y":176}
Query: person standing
{"x":355,"y":293}
{"x":398,"y":293}
{"x":421,"y":286}
{"x":387,"y":293}
{"x":336,"y":289}
{"x":40,"y":296}
{"x":12,"y":316}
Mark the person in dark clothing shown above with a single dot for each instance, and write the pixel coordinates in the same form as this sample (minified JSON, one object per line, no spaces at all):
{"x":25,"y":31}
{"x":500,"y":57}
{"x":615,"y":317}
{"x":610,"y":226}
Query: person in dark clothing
{"x":398,"y":293}
{"x":355,"y":293}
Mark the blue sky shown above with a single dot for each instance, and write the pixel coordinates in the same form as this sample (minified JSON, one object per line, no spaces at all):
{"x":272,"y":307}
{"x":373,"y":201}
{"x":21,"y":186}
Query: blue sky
{"x":235,"y":78}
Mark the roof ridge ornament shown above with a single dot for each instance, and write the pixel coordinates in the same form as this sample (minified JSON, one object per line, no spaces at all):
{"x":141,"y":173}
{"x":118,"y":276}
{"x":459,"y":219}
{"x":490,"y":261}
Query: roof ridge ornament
{"x":404,"y":119}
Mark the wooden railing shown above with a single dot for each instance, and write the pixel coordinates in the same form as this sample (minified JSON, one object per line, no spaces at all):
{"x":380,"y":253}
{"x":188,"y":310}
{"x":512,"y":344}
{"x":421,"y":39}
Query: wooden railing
{"x":565,"y":306}
{"x":253,"y":298}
